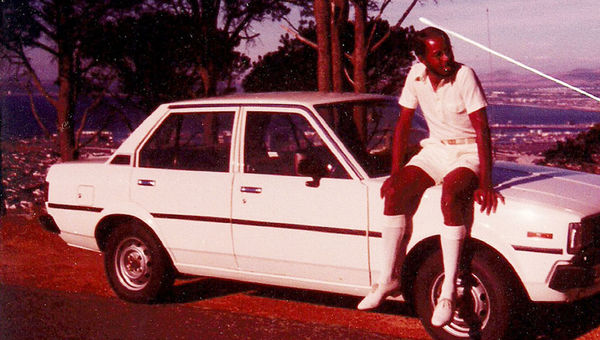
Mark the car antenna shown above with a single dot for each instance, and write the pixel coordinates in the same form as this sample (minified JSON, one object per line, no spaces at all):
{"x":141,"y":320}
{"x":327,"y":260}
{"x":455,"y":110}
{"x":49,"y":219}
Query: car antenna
{"x":509,"y":59}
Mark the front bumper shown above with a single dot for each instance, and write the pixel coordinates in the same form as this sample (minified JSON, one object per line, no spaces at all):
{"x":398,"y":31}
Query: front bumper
{"x":583,"y":271}
{"x":571,"y":276}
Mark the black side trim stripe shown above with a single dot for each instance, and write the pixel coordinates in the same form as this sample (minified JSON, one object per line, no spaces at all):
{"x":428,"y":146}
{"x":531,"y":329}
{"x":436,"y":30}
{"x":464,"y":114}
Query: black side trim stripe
{"x":268,"y":224}
{"x":192,"y":218}
{"x":556,"y":251}
{"x":301,"y":227}
{"x":74,"y":207}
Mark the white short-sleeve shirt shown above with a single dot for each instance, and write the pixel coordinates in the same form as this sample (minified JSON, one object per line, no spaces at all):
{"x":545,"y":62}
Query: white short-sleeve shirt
{"x":446,"y":109}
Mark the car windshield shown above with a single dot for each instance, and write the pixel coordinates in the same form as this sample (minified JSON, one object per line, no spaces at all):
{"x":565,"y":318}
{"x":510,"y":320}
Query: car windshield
{"x":371,"y":145}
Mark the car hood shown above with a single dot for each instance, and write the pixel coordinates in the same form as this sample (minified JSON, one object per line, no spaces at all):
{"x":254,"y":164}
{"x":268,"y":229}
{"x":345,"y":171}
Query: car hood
{"x":571,"y":190}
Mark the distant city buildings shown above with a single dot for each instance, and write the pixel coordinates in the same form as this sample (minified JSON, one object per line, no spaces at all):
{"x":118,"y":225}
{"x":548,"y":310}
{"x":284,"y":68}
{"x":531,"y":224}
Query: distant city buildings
{"x":550,"y":97}
{"x":526,"y":144}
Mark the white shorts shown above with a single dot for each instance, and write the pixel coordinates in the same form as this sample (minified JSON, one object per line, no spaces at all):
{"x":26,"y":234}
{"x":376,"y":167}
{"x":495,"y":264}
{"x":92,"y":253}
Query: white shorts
{"x":438,"y":159}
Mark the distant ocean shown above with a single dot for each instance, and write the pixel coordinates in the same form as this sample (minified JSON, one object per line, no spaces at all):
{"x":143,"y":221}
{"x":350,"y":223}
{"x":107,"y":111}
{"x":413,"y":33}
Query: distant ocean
{"x":18,"y":122}
{"x":524,"y":115}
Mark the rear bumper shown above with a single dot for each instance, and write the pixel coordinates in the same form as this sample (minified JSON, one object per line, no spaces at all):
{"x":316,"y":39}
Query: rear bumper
{"x":49,"y":224}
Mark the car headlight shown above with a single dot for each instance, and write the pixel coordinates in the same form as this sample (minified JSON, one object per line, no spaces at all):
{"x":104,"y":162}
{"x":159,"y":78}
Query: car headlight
{"x":581,"y":234}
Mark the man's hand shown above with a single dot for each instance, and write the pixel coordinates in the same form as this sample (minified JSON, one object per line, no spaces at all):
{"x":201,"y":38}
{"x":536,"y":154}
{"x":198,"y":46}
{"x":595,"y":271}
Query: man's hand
{"x":388,"y":187}
{"x":488,"y":199}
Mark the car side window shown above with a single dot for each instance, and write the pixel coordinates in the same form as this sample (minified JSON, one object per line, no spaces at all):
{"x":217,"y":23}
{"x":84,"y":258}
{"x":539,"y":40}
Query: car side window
{"x":190,"y":141}
{"x":276,"y":143}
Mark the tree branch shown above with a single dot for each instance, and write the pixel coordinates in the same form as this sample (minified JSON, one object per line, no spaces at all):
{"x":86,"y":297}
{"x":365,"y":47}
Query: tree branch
{"x":388,"y":33}
{"x":34,"y":77}
{"x":45,"y":48}
{"x":290,"y":24}
{"x":380,"y":42}
{"x":98,"y":132}
{"x":249,"y":37}
{"x":91,"y":107}
{"x":301,"y":38}
{"x":35,"y":112}
{"x":374,"y":21}
{"x":408,"y":10}
{"x":348,"y":77}
{"x":241,"y":26}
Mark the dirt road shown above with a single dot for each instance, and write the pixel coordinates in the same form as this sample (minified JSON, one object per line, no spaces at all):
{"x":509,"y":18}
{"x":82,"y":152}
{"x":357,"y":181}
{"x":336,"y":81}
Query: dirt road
{"x":41,"y":278}
{"x":35,"y":263}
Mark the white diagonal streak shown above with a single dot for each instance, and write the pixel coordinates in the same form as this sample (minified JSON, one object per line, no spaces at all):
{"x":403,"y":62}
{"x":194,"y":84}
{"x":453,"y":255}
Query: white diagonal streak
{"x":509,"y":59}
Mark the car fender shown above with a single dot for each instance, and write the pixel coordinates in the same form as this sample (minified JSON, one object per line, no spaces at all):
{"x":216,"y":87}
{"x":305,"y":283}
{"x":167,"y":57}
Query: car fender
{"x":133,"y":210}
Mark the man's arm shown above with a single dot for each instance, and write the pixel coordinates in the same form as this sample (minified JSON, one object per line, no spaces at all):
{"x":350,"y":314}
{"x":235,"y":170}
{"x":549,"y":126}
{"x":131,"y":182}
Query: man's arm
{"x":400,"y":141}
{"x":399,"y":145}
{"x":485,"y":195}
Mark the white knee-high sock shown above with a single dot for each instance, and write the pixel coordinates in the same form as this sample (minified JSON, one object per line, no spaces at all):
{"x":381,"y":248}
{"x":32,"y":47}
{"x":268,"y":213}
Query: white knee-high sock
{"x":452,"y":240}
{"x":391,"y":239}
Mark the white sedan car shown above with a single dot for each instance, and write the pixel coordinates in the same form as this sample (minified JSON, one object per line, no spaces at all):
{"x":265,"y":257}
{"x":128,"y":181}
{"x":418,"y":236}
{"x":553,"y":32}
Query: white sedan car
{"x":283,"y":189}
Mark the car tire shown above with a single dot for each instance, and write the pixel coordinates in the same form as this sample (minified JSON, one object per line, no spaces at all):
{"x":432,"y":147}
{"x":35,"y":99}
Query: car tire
{"x":137,"y":265}
{"x":485,"y":297}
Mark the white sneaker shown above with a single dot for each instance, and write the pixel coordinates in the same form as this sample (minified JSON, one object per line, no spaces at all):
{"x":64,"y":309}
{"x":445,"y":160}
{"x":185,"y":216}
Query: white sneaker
{"x":378,"y":293}
{"x":443,"y":312}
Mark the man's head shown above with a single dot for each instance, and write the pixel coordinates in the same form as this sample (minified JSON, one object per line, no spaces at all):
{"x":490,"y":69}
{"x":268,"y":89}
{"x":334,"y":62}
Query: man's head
{"x":433,"y":48}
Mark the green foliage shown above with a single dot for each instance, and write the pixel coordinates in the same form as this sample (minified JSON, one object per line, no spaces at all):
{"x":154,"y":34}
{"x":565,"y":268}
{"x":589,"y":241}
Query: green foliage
{"x":16,"y":26}
{"x":579,"y":153}
{"x":157,"y":56}
{"x":293,"y":66}
{"x":180,"y":49}
{"x":59,"y":28}
{"x":43,"y":24}
{"x":388,"y":66}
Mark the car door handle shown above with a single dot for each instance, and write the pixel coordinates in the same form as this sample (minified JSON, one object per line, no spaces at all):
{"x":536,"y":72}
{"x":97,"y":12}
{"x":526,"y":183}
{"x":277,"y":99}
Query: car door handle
{"x":251,"y":190}
{"x":146,"y":182}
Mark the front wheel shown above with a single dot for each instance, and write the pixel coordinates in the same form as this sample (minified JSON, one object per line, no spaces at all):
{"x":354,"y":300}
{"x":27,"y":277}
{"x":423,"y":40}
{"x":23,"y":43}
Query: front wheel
{"x":137,"y":266}
{"x":484,"y":303}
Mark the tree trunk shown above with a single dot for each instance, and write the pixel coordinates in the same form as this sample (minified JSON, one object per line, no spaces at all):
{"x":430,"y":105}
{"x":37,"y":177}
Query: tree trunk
{"x":209,"y":22}
{"x":64,"y":109}
{"x":359,"y":57}
{"x":65,"y":104}
{"x":323,"y":20}
{"x":359,"y":61}
{"x":339,"y":16}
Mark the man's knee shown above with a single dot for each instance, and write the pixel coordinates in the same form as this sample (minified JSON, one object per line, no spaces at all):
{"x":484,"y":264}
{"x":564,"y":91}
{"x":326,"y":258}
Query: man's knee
{"x":460,"y":182}
{"x":401,"y":202}
{"x":409,"y":185}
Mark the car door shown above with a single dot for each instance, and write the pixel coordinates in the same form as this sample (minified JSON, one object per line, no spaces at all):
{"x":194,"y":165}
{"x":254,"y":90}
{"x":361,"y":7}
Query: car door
{"x":288,"y":224}
{"x":183,"y":178}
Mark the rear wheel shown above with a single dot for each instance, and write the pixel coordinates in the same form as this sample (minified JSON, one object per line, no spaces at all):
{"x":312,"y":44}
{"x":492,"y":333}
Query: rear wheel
{"x":484,"y":303}
{"x":137,"y":266}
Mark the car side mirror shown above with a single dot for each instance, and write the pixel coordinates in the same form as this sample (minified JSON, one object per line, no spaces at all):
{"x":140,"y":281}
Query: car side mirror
{"x":307,"y":165}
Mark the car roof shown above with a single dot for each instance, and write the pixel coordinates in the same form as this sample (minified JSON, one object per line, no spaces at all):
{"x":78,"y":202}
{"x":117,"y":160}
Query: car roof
{"x":290,"y":98}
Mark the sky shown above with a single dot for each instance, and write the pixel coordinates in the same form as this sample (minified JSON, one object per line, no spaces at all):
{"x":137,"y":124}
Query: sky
{"x":553,"y":36}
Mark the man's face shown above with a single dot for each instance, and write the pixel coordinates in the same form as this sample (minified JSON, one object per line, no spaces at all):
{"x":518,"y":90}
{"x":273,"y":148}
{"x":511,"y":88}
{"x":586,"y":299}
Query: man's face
{"x":438,"y":57}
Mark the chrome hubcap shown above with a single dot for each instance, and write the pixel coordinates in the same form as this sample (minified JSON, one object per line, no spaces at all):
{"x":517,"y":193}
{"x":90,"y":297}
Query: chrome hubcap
{"x":472,"y":305}
{"x":132,"y":263}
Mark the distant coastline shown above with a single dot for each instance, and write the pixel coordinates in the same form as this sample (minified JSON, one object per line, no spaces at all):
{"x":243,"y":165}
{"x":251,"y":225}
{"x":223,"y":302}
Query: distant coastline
{"x":551,"y":107}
